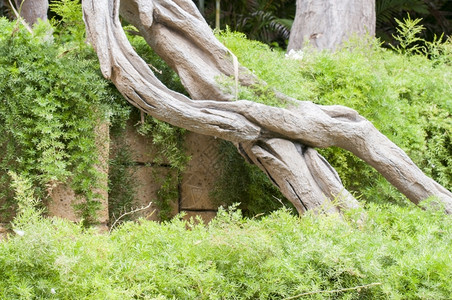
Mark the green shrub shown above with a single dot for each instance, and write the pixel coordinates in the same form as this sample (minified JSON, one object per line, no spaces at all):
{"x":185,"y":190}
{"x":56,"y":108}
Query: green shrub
{"x":53,"y":98}
{"x":407,"y":97}
{"x":406,"y":249}
{"x":68,"y":24}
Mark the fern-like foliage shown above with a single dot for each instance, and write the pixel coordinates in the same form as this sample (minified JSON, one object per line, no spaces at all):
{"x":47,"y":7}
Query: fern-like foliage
{"x":265,"y":21}
{"x":435,"y":15}
{"x":52,"y":99}
{"x":69,"y":24}
{"x":407,"y":36}
{"x":387,"y":10}
{"x":264,"y":26}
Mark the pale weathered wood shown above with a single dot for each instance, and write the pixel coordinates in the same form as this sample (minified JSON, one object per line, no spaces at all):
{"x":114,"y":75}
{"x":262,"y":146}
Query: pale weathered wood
{"x":32,"y":10}
{"x":194,"y":52}
{"x":327,"y":24}
{"x":278,"y":140}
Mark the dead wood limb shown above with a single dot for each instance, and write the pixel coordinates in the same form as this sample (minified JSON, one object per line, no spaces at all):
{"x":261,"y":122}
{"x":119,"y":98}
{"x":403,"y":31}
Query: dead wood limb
{"x":277,"y":139}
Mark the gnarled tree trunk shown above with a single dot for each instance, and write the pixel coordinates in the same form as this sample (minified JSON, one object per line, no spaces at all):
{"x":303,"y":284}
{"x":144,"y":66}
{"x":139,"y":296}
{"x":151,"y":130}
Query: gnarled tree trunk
{"x":326,"y":24}
{"x":278,"y":140}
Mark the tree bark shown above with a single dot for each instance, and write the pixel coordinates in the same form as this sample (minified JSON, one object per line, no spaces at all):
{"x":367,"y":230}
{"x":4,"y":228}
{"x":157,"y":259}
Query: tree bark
{"x":278,"y":140}
{"x":32,"y":10}
{"x":327,"y":24}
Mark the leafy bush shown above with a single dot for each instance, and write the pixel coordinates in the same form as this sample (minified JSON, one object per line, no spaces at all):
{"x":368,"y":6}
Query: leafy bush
{"x":265,"y":21}
{"x":403,"y":251}
{"x":407,"y":97}
{"x":53,"y":98}
{"x":68,"y":23}
{"x":54,"y":141}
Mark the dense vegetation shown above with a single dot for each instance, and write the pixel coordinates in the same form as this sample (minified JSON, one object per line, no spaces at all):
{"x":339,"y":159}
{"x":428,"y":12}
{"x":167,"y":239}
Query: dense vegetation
{"x":406,"y":95}
{"x":53,"y":96}
{"x":270,"y":21}
{"x":401,"y":252}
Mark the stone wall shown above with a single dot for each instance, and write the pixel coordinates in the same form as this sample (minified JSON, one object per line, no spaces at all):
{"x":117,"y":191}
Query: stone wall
{"x":194,"y":189}
{"x":62,"y":197}
{"x":197,"y":181}
{"x":3,"y":231}
{"x":146,"y":173}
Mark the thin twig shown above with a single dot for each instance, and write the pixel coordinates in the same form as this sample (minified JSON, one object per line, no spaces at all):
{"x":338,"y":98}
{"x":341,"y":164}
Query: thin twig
{"x":335,"y":291}
{"x":128,"y":213}
{"x":155,"y":69}
{"x":258,"y":215}
{"x":279,"y":200}
{"x":142,"y":117}
{"x":235,"y":63}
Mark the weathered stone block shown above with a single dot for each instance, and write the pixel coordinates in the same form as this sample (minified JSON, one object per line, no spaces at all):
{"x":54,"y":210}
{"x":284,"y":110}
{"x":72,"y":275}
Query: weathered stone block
{"x":63,"y":197}
{"x":3,"y":231}
{"x":141,"y":147}
{"x":199,"y":178}
{"x":148,"y":180}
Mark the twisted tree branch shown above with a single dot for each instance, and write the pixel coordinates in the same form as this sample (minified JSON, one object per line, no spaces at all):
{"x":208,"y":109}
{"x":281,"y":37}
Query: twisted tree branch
{"x":278,"y":140}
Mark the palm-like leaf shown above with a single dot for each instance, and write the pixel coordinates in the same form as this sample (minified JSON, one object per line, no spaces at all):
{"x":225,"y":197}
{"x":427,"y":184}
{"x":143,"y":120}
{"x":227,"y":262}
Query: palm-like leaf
{"x":266,"y":21}
{"x":386,"y":10}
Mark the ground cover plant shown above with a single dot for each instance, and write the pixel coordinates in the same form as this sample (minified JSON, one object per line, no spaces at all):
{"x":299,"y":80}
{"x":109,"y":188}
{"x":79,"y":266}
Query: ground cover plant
{"x":397,"y":252}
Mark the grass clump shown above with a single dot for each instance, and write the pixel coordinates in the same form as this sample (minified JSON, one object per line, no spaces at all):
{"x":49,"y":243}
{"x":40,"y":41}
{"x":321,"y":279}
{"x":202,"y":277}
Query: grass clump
{"x":406,"y":249}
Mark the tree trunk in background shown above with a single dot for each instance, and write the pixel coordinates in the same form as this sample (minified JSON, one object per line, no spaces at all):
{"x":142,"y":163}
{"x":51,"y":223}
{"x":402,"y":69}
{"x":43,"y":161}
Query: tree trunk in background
{"x":32,"y":10}
{"x":326,"y":24}
{"x":278,"y":140}
{"x":201,"y":6}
